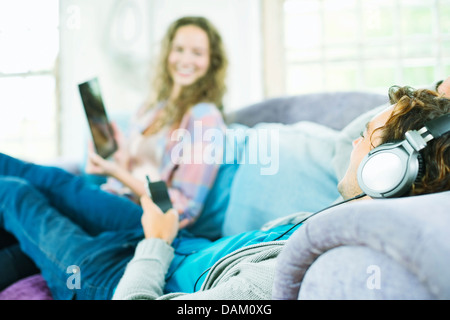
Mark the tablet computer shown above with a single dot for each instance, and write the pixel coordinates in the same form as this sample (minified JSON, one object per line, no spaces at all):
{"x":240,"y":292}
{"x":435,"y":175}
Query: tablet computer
{"x":101,"y":130}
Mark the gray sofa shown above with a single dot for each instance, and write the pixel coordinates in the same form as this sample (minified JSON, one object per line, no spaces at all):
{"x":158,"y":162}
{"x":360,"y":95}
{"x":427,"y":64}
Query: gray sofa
{"x":331,"y":109}
{"x":381,"y":249}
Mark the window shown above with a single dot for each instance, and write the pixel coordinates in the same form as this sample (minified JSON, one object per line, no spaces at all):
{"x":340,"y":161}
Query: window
{"x":29,"y":46}
{"x":332,"y":45}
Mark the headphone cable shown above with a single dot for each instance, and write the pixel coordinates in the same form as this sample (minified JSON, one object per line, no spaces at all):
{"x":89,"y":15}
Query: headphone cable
{"x":186,"y":254}
{"x":332,"y":206}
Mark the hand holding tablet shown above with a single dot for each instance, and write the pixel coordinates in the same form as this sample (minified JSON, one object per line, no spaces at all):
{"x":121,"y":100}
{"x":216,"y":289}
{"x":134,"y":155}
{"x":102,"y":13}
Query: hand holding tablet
{"x":102,"y":132}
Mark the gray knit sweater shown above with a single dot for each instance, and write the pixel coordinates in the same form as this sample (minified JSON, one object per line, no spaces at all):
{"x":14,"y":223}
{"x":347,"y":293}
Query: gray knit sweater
{"x":246,"y":273}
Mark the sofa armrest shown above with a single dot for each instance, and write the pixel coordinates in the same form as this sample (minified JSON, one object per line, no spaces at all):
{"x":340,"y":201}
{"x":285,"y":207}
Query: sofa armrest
{"x":410,"y":233}
{"x":360,"y":273}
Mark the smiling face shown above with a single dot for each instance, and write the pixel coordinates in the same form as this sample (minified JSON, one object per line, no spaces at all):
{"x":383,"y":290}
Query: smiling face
{"x":348,"y":187}
{"x":188,"y":59}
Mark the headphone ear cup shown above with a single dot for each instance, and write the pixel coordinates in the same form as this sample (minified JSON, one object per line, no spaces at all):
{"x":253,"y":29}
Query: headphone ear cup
{"x":380,"y":171}
{"x":388,"y":171}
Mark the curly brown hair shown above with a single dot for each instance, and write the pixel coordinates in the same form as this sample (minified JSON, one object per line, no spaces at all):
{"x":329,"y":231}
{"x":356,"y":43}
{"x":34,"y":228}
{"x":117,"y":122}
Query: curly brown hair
{"x":210,"y":88}
{"x":413,"y":108}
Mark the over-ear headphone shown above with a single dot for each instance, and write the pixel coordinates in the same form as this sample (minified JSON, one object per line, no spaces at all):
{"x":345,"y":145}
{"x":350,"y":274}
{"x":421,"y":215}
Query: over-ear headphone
{"x":390,"y":169}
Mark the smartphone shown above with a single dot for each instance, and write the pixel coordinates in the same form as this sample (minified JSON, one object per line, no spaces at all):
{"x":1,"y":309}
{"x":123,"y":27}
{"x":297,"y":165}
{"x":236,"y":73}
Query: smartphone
{"x":101,"y":130}
{"x":159,"y":194}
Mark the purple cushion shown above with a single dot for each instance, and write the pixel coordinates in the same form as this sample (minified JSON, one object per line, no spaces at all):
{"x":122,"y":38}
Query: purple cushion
{"x":31,"y":288}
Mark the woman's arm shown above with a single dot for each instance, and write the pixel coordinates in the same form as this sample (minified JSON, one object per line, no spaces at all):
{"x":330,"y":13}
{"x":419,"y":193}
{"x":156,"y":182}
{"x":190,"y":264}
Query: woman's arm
{"x":98,"y":165}
{"x":118,"y":168}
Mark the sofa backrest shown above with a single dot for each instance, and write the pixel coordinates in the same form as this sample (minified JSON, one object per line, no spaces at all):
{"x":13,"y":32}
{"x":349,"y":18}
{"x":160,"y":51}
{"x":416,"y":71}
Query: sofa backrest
{"x":332,"y":109}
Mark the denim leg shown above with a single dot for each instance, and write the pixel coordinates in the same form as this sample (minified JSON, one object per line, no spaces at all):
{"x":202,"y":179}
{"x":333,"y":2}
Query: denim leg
{"x":55,"y":243}
{"x":86,"y":204}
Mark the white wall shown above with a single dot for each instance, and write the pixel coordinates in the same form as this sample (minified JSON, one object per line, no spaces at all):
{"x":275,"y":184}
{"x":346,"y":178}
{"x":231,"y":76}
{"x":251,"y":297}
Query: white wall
{"x":101,"y":38}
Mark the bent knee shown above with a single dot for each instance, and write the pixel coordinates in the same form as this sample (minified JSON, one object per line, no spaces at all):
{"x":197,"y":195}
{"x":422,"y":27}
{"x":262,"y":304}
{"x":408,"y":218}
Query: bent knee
{"x":13,"y":181}
{"x":13,"y":187}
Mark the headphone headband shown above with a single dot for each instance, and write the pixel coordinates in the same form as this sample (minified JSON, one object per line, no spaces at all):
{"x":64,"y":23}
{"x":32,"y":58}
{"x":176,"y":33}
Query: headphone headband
{"x":439,"y":126}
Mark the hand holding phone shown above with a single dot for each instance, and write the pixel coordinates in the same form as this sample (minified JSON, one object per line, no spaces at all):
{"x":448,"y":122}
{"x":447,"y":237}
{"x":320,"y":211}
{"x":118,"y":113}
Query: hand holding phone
{"x":157,"y":224}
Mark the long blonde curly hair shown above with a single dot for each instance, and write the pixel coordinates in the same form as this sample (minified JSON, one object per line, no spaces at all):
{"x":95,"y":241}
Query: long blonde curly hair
{"x":209,"y":88}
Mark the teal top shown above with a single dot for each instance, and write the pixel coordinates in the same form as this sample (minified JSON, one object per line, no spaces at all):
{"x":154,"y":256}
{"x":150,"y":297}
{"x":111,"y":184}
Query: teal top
{"x":194,"y":256}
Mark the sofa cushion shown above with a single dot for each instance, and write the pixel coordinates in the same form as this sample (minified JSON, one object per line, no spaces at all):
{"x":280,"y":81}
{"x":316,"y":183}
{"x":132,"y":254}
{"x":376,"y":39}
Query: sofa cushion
{"x":30,"y":288}
{"x":410,"y":232}
{"x":209,"y":224}
{"x":286,"y":182}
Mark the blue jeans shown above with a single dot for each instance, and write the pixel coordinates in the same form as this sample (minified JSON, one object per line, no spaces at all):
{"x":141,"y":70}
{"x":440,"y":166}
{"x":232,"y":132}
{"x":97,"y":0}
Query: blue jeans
{"x":64,"y":224}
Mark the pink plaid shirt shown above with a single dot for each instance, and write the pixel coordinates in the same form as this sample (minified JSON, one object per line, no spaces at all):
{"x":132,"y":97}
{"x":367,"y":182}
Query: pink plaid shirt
{"x":183,"y":166}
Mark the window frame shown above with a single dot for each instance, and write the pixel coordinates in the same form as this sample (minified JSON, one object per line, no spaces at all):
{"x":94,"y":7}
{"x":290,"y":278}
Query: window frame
{"x":50,"y":71}
{"x":278,"y":65}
